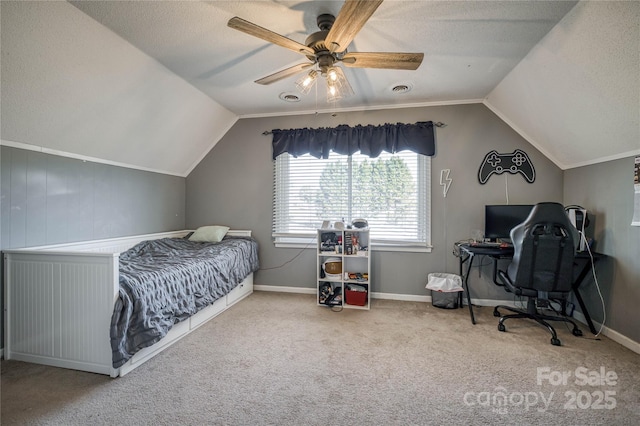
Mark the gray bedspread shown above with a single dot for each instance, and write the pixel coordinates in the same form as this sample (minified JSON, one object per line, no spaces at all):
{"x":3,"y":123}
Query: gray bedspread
{"x":165,"y":281}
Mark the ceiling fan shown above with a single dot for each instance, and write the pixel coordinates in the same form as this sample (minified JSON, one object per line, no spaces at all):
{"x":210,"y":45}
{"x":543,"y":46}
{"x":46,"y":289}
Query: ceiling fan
{"x":328,"y":46}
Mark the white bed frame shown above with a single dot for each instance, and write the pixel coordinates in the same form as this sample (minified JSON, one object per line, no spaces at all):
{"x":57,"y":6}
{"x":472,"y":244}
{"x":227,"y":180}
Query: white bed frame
{"x":59,"y":301}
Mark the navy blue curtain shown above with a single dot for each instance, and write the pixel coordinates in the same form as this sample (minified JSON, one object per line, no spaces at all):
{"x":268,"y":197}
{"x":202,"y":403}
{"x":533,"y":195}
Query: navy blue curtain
{"x":369,"y":140}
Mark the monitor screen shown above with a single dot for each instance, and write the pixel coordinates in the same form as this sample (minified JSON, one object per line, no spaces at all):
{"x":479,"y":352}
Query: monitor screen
{"x":500,"y":219}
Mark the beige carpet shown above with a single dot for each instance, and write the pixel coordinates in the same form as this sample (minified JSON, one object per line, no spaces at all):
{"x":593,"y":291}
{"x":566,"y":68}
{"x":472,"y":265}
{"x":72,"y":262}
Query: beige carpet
{"x":279,"y":359}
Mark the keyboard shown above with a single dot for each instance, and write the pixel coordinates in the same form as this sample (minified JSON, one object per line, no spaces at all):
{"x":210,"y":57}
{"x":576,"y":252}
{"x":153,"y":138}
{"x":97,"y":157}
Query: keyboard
{"x":491,"y":245}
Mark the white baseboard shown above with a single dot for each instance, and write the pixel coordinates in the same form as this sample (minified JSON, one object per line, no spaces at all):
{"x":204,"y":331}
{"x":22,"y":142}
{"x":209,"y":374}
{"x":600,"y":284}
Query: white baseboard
{"x":306,"y":290}
{"x":281,"y":289}
{"x":612,"y":334}
{"x":402,"y":297}
{"x":492,"y":302}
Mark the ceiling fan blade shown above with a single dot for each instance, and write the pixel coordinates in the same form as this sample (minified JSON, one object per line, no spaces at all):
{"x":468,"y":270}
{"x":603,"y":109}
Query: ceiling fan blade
{"x":287,"y":72}
{"x":350,"y":20}
{"x":268,"y":35}
{"x":386,"y":60}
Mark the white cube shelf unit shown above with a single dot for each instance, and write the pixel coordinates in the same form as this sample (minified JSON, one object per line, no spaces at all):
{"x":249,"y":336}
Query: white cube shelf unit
{"x":344,"y":268}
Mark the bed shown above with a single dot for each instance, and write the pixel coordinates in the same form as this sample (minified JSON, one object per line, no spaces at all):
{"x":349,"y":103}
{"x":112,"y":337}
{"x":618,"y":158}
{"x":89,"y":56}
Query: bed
{"x":108,"y":306}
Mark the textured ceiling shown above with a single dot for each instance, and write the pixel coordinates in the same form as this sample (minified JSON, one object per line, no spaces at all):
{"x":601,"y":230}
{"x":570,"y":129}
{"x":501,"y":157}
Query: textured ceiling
{"x":576,"y":95}
{"x":469,"y":47}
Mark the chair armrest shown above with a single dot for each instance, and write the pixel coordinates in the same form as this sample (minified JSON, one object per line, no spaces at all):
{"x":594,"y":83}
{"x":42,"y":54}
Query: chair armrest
{"x":506,"y":281}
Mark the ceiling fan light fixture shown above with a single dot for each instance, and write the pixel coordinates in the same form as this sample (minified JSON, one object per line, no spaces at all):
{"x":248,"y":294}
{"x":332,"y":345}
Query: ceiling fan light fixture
{"x":306,"y":82}
{"x":332,"y":75}
{"x":333,"y":94}
{"x":338,"y":86}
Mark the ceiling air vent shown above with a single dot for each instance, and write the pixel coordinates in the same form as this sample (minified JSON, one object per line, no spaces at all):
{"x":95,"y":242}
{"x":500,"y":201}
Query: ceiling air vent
{"x":289,"y":97}
{"x":401,"y":88}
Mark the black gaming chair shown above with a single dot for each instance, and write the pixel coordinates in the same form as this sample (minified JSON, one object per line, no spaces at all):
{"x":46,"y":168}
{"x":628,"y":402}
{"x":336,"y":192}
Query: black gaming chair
{"x":542,"y":266}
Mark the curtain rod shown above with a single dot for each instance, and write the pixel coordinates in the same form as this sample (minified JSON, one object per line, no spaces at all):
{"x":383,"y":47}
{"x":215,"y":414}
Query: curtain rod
{"x":438,"y":124}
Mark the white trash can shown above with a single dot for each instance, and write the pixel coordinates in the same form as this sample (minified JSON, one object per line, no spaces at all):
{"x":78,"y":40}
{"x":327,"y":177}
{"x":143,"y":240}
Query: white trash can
{"x":445,"y":290}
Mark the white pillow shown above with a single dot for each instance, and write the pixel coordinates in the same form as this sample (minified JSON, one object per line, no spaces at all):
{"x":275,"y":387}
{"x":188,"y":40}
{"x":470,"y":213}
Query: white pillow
{"x":211,"y":234}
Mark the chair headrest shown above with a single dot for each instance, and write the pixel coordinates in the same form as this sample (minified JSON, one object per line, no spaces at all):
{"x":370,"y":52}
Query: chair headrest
{"x":548,"y":212}
{"x":551,"y":213}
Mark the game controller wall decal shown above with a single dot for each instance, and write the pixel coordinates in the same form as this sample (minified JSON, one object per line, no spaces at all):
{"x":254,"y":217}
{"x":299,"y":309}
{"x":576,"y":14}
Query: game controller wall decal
{"x":517,"y":162}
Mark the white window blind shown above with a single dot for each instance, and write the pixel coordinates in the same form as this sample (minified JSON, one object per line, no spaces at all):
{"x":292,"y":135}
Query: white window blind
{"x":392,"y":192}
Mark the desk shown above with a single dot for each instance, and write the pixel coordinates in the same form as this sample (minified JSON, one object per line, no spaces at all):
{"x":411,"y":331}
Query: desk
{"x":468,"y":252}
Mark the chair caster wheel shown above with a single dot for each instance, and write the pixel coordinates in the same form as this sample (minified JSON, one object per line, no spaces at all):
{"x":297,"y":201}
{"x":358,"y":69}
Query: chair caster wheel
{"x":501,"y":327}
{"x":555,"y":342}
{"x":496,"y":313}
{"x":577,"y":332}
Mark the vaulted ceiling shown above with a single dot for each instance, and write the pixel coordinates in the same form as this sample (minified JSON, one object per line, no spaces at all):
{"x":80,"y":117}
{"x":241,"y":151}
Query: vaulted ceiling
{"x":469,"y":47}
{"x":563,"y":74}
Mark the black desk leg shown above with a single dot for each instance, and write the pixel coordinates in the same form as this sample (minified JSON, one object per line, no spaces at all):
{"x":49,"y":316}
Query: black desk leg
{"x":466,"y":288}
{"x":585,"y":312}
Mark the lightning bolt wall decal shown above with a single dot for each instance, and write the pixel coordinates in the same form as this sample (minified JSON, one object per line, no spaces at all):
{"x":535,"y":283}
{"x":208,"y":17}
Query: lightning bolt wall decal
{"x":445,"y":181}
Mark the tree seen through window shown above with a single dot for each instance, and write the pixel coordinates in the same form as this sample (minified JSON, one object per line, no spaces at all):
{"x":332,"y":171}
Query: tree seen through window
{"x":381,"y":190}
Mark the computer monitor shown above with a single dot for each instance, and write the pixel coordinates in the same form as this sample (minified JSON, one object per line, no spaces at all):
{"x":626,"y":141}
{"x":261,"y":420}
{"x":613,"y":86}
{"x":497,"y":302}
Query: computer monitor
{"x":500,"y":219}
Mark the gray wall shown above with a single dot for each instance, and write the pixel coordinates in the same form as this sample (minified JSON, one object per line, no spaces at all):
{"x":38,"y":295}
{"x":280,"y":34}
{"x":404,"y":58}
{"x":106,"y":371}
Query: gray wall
{"x":48,"y":199}
{"x":233,"y":185}
{"x":606,"y":190}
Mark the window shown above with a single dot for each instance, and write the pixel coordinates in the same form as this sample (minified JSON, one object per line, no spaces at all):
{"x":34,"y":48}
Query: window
{"x":392,"y":192}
